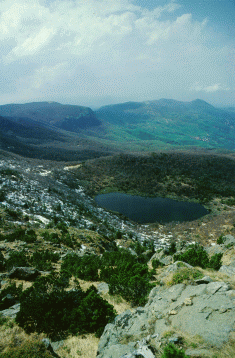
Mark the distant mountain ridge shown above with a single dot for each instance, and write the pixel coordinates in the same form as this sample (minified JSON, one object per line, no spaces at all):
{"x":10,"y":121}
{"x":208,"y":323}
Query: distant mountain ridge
{"x":68,"y":117}
{"x":132,"y":126}
{"x":48,"y":131}
{"x":172,"y":123}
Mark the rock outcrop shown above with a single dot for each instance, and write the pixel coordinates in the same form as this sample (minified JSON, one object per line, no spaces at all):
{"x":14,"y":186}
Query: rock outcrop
{"x":206,"y":310}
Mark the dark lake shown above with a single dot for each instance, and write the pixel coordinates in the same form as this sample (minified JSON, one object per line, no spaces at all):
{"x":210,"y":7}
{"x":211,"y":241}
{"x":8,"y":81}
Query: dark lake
{"x":149,"y":210}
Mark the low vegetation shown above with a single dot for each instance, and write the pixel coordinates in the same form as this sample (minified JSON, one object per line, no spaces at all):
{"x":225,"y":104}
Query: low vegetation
{"x":171,"y":351}
{"x":196,"y":255}
{"x":200,"y":177}
{"x":48,"y":307}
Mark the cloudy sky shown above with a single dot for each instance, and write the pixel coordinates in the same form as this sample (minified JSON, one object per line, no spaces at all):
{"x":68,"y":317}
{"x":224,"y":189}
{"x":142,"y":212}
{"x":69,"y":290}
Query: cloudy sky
{"x":96,"y":52}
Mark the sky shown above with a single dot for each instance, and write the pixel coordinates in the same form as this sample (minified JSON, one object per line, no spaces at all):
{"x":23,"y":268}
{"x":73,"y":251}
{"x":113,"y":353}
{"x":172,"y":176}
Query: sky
{"x":99,"y":52}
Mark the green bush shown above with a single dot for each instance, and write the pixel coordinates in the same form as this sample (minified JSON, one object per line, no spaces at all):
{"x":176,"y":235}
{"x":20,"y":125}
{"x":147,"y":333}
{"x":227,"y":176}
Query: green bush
{"x":171,"y":351}
{"x":2,"y":262}
{"x":13,"y":214}
{"x":197,"y":256}
{"x":27,"y":349}
{"x":126,"y":276}
{"x":63,"y":238}
{"x":30,"y":236}
{"x":47,"y":307}
{"x":85,"y":267}
{"x":171,"y":250}
{"x":156,"y":263}
{"x":186,"y":275}
{"x":194,"y":256}
{"x":42,"y":259}
{"x":3,"y":195}
{"x":220,"y":240}
{"x":12,"y":290}
{"x":216,"y":261}
{"x":17,"y":259}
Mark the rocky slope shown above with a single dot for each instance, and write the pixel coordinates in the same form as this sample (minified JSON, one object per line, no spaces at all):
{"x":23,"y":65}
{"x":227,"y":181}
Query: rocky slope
{"x":191,"y":307}
{"x":198,"y":315}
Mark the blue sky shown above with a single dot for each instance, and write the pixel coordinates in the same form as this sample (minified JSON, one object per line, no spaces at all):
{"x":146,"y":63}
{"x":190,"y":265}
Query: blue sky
{"x":97,"y":52}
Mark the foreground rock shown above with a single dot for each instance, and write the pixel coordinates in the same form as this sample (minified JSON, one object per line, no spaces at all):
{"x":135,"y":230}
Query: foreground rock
{"x":11,"y":312}
{"x":206,"y":310}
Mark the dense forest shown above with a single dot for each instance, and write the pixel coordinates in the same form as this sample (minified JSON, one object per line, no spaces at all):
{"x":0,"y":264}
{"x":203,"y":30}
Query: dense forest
{"x":188,"y":176}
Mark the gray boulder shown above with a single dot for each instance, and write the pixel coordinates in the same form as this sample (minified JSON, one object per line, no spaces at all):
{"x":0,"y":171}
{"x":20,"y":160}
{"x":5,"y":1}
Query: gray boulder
{"x":229,"y":240}
{"x":12,"y":311}
{"x":207,"y":310}
{"x":228,"y":270}
{"x":103,"y":287}
{"x":214,"y":249}
{"x":205,"y":279}
{"x":49,"y":347}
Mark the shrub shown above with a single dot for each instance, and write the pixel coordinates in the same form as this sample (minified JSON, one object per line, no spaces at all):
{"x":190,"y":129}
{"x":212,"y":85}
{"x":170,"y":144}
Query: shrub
{"x":30,"y":236}
{"x":42,"y":260}
{"x":216,"y":261}
{"x":126,"y":276}
{"x":47,"y":307}
{"x":27,"y":349}
{"x":220,"y":240}
{"x":186,"y":275}
{"x":195,"y":256}
{"x":21,"y":234}
{"x":170,"y":351}
{"x":14,"y":292}
{"x":156,"y":263}
{"x":85,"y":267}
{"x":17,"y":259}
{"x":65,"y":238}
{"x":171,"y":250}
{"x":2,"y":195}
{"x":2,"y":262}
{"x":13,"y":214}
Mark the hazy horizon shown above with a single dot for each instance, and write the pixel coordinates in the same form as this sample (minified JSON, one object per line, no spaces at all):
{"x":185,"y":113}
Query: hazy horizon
{"x":100,"y":52}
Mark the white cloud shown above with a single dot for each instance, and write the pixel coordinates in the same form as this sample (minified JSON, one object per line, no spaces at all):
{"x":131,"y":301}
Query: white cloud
{"x":106,"y":48}
{"x":209,"y":89}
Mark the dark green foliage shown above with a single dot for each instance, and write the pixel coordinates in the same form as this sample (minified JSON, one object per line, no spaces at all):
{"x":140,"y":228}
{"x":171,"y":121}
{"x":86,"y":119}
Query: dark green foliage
{"x":19,"y":233}
{"x":63,"y":238}
{"x":47,"y":307}
{"x":215,"y":261}
{"x":181,"y":174}
{"x":171,"y":351}
{"x":2,"y":195}
{"x":85,"y":267}
{"x":171,"y":250}
{"x":197,"y":256}
{"x":156,"y":263}
{"x":30,"y":236}
{"x":14,"y":292}
{"x":2,"y":262}
{"x":42,"y":260}
{"x":17,"y":259}
{"x":220,"y":240}
{"x":27,"y":349}
{"x":229,"y":201}
{"x":9,"y":172}
{"x":126,"y":276}
{"x":13,"y":214}
{"x":62,"y":226}
{"x":3,"y":320}
{"x":144,"y":252}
